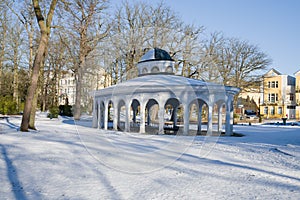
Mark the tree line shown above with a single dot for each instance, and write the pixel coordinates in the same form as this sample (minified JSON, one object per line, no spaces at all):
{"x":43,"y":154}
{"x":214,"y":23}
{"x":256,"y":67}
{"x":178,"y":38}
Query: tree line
{"x":96,"y":40}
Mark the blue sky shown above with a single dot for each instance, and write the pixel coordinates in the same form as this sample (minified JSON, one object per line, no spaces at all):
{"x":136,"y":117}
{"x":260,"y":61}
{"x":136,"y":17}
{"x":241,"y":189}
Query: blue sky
{"x":273,"y":25}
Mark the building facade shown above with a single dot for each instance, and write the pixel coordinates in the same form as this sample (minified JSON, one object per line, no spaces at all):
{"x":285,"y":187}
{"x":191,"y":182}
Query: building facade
{"x":67,"y":88}
{"x":91,"y":81}
{"x":278,"y":96}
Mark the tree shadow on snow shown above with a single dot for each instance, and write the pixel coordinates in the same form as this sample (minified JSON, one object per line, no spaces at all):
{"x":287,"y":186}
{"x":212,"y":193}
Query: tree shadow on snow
{"x":12,"y":175}
{"x":82,"y":122}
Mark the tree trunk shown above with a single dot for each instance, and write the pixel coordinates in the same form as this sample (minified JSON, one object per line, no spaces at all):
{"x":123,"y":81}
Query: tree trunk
{"x":45,"y":27}
{"x":15,"y":81}
{"x":77,"y":111}
{"x":34,"y":82}
{"x":33,"y":111}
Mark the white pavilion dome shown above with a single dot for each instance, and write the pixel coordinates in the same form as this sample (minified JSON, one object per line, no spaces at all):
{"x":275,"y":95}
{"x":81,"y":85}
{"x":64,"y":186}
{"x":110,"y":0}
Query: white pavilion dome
{"x":156,"y":61}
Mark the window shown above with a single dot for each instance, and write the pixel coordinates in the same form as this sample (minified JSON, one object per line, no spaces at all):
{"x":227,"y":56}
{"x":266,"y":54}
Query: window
{"x":266,"y":110}
{"x":273,"y":84}
{"x":291,"y":97}
{"x":272,"y":111}
{"x":145,"y":70}
{"x":169,"y":69}
{"x":273,"y":97}
{"x":279,"y":111}
{"x":155,"y":70}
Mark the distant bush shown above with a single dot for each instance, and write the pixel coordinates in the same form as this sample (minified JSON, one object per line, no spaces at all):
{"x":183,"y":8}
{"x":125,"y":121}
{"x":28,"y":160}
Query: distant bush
{"x":8,"y":106}
{"x":53,"y":112}
{"x":65,"y":110}
{"x":235,"y":115}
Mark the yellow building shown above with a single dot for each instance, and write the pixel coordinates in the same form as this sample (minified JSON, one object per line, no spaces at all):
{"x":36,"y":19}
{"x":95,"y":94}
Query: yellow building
{"x":297,"y":94}
{"x":278,"y":96}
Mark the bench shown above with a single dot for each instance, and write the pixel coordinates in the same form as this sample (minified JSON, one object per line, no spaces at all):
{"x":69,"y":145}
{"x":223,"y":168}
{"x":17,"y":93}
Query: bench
{"x":171,"y":129}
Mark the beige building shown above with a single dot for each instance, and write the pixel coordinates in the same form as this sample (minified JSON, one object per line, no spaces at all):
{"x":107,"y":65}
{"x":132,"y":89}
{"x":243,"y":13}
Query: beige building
{"x":278,"y":98}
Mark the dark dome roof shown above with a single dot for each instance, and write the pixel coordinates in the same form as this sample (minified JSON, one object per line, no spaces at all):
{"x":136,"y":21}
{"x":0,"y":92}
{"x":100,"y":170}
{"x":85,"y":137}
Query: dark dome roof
{"x":156,"y":54}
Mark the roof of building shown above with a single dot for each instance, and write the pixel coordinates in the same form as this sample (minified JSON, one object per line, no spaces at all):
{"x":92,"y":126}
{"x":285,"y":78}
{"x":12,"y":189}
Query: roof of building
{"x":155,"y":83}
{"x":297,"y":73}
{"x":272,"y":72}
{"x":155,"y":54}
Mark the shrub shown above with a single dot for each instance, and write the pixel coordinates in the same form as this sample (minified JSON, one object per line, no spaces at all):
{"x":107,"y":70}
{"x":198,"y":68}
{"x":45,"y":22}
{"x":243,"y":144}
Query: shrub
{"x":8,"y":106}
{"x":53,"y":112}
{"x":65,"y":110}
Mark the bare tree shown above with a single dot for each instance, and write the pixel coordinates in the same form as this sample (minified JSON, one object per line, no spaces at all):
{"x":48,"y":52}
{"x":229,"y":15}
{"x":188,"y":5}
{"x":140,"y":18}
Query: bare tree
{"x":232,"y":61}
{"x":247,"y":60}
{"x":25,"y":14}
{"x":141,"y":26}
{"x":3,"y":41}
{"x":45,"y":28}
{"x":15,"y":53}
{"x":86,"y":28}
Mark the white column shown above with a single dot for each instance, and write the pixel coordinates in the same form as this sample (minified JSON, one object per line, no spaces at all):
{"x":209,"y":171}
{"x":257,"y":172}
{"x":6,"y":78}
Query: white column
{"x":200,"y":117}
{"x":186,"y":119}
{"x":127,"y":116}
{"x":161,"y":112}
{"x":210,"y":120}
{"x":99,"y":115}
{"x":220,"y":118}
{"x":105,"y":115}
{"x":229,"y":117}
{"x":142,"y":113}
{"x":116,"y":116}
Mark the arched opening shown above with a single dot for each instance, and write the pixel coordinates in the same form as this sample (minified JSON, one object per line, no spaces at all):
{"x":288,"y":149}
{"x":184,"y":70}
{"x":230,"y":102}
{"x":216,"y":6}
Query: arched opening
{"x":151,"y":112}
{"x":221,"y":116}
{"x":135,"y":117}
{"x":97,"y":114}
{"x":198,"y":117}
{"x":155,"y":70}
{"x":215,"y":117}
{"x":173,"y":116}
{"x":169,"y":69}
{"x":121,"y":115}
{"x":110,"y":115}
{"x":145,"y":70}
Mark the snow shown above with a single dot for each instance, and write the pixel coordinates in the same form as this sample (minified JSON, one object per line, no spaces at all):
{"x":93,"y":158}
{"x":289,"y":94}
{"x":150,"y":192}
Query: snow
{"x":63,"y":160}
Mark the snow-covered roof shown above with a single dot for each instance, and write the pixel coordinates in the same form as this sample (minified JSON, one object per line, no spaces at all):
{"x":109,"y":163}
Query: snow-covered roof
{"x":156,"y":54}
{"x":160,"y":82}
{"x":272,"y":72}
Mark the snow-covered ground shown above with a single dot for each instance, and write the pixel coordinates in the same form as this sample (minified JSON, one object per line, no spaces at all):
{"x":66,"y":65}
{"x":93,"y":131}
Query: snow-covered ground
{"x":66,"y":161}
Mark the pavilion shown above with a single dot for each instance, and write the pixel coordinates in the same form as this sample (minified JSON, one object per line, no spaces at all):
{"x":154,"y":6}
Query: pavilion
{"x":158,"y":101}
